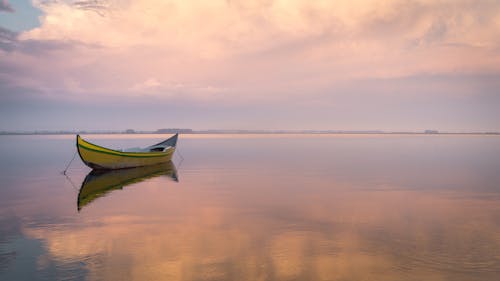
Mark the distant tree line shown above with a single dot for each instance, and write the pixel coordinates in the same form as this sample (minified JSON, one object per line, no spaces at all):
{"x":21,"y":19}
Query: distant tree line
{"x":173,"y":131}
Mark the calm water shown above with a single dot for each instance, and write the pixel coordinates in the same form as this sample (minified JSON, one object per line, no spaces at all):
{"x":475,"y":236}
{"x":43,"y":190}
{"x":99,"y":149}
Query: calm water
{"x":255,"y":207}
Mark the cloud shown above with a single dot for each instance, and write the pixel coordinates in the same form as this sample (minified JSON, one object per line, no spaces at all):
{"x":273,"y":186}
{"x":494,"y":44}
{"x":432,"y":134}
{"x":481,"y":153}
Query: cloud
{"x":248,"y":52}
{"x":96,"y":6}
{"x":349,"y":39}
{"x":5,"y":6}
{"x":7,"y":39}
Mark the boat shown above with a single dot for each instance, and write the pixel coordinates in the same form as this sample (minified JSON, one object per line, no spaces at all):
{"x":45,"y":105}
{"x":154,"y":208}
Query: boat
{"x":99,"y":183}
{"x":102,"y":158}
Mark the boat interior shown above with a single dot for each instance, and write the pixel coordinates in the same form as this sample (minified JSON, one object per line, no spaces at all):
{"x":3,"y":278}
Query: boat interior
{"x":147,"y":149}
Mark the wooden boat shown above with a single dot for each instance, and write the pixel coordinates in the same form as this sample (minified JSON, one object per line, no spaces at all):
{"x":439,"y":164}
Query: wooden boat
{"x":98,"y":157}
{"x":99,"y":183}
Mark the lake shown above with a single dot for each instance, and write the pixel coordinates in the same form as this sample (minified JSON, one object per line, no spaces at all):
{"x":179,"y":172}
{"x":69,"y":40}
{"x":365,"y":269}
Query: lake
{"x":255,"y":207}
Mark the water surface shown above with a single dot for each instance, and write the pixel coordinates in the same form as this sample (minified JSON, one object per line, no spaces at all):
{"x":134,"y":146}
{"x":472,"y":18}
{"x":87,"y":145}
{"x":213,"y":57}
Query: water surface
{"x":255,"y":207}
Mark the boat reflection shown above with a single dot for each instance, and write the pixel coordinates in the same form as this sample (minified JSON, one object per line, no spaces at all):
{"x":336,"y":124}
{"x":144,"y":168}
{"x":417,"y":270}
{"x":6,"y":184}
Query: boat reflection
{"x":99,"y":183}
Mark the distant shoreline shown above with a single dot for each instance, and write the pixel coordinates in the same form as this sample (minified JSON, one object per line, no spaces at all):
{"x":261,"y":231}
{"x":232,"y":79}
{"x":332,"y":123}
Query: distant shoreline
{"x":253,"y":132}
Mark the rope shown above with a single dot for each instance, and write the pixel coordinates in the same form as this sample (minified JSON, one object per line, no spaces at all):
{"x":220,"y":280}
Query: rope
{"x":71,"y":182}
{"x":67,"y":166}
{"x":179,"y":154}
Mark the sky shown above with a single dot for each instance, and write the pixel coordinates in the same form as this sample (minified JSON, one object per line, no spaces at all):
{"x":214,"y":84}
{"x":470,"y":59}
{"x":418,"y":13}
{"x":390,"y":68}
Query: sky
{"x":238,"y":64}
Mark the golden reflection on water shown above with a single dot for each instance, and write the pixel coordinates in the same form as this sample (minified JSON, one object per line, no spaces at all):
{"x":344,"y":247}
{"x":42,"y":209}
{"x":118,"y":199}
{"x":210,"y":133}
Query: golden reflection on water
{"x":280,"y":207}
{"x":329,"y":233}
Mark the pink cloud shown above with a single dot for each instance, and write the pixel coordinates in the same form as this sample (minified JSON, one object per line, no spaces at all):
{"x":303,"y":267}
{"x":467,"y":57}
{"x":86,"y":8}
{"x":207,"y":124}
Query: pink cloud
{"x":5,"y":6}
{"x":256,"y":53}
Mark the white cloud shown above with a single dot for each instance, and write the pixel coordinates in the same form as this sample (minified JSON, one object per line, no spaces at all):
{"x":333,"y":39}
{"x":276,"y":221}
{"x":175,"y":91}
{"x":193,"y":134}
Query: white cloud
{"x":260,"y":50}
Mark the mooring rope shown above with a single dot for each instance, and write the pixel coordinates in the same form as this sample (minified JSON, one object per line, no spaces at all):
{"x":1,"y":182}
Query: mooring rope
{"x":71,"y":182}
{"x":67,"y":166}
{"x":179,"y":153}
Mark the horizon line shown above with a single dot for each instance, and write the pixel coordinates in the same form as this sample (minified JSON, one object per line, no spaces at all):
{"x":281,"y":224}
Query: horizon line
{"x":238,"y":131}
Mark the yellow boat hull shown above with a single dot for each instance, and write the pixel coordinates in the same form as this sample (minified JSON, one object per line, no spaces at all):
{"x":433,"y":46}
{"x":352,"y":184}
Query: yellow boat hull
{"x":98,"y":157}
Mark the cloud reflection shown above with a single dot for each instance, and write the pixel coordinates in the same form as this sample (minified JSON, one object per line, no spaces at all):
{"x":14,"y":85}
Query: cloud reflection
{"x":335,"y":234}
